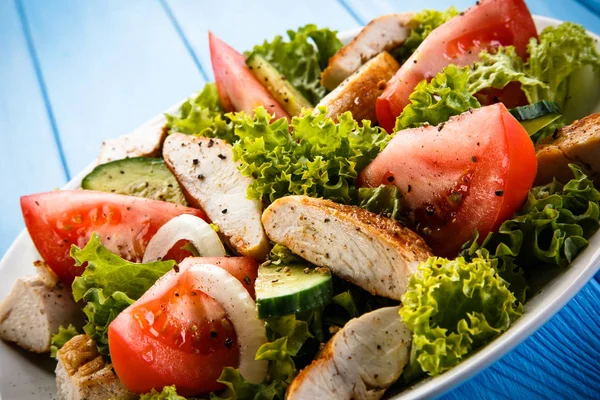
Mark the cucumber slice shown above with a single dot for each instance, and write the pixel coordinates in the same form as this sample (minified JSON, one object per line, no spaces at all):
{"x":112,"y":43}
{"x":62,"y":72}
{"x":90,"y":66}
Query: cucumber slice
{"x":290,"y":289}
{"x":535,"y":110}
{"x":141,"y":177}
{"x":533,"y":126}
{"x":280,"y":88}
{"x":537,"y":116}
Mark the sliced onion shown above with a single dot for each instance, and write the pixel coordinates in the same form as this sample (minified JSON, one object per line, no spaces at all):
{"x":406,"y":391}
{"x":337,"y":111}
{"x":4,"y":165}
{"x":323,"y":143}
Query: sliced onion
{"x":241,"y":310}
{"x":184,"y":227}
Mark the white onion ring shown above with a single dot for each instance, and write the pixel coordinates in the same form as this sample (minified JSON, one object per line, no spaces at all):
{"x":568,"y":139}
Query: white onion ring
{"x":184,"y":227}
{"x":241,"y":311}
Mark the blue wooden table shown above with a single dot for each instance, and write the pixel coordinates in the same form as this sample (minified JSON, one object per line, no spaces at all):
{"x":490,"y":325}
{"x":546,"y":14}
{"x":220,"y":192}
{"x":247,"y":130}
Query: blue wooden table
{"x":74,"y":73}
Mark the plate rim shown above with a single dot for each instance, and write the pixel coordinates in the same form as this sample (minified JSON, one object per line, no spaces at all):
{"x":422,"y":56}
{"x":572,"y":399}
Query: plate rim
{"x":538,"y":310}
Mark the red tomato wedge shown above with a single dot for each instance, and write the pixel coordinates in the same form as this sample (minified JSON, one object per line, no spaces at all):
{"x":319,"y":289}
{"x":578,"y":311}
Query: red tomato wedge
{"x":56,"y":220}
{"x":238,"y":88}
{"x":176,"y":336}
{"x":471,"y":173}
{"x":489,"y":24}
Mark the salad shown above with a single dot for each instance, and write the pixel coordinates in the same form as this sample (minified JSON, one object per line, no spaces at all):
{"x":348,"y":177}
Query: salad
{"x":324,"y":221}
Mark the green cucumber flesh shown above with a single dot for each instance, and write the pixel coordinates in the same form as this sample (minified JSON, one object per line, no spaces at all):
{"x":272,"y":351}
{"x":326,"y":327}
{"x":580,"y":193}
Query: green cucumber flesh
{"x":140,"y":177}
{"x":290,"y":289}
{"x":533,"y":126}
{"x":280,"y":88}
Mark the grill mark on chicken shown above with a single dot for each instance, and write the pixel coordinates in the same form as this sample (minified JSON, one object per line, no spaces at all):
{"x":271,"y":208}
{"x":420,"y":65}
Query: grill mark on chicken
{"x":82,"y":373}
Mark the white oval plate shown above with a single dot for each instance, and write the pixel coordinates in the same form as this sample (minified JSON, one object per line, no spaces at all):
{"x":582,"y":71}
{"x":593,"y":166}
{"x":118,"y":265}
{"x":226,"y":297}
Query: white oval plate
{"x":28,"y":376}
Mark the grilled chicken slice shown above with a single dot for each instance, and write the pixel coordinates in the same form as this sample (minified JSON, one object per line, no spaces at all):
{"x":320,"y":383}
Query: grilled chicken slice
{"x":82,"y":373}
{"x":34,"y":309}
{"x":578,"y":143}
{"x":360,"y":90}
{"x":381,"y":34}
{"x":373,"y":252}
{"x":360,"y":362}
{"x":211,"y":181}
{"x":145,"y":141}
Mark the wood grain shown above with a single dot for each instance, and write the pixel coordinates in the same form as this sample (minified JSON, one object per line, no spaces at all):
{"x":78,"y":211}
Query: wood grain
{"x":561,"y":360}
{"x":29,"y":156}
{"x":243,"y":24}
{"x":108,"y":66}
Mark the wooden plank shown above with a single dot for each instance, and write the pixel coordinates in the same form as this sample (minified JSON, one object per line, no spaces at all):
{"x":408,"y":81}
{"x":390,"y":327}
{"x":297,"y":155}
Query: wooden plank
{"x":568,"y":10}
{"x":109,"y":66}
{"x":29,"y":157}
{"x":243,"y":24}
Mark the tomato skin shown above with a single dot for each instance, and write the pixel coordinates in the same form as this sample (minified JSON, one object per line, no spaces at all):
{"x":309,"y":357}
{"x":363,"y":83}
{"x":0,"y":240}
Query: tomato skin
{"x":491,"y":23}
{"x":146,"y":359}
{"x":56,"y":220}
{"x":238,"y":88}
{"x":473,"y":172}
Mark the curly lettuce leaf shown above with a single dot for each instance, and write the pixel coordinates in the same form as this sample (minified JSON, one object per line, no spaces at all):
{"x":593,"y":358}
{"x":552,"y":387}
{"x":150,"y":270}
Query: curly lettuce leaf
{"x":109,"y":285}
{"x":504,"y":264}
{"x":202,"y":115}
{"x":553,"y":226}
{"x":553,"y":58}
{"x":238,"y":388}
{"x":383,"y":200}
{"x":422,"y":24}
{"x":167,"y":393}
{"x":287,"y":335}
{"x":499,"y":68}
{"x":302,"y":58}
{"x":316,"y":157}
{"x":60,"y":338}
{"x":280,"y":254}
{"x":454,"y":307}
{"x":100,"y":311}
{"x":435,"y":102}
{"x":559,"y":52}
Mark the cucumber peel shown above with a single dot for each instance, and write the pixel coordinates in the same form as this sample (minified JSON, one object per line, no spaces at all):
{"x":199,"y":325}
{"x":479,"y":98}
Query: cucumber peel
{"x":278,"y":86}
{"x":139,"y":176}
{"x":290,"y":289}
{"x":535,"y":110}
{"x":535,"y":117}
